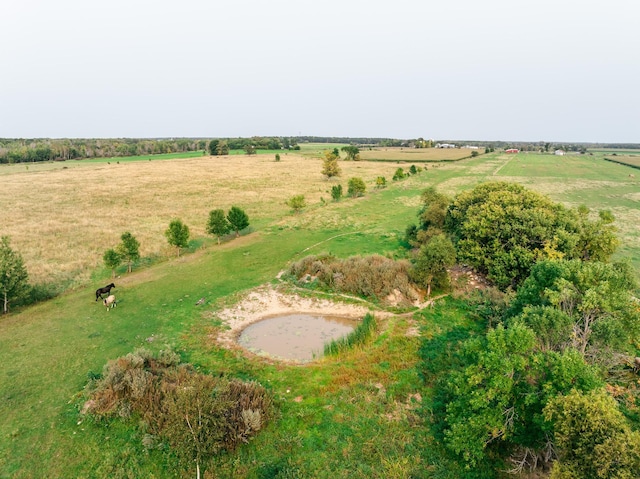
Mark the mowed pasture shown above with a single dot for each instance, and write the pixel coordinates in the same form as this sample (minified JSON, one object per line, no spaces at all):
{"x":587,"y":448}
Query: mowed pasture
{"x":63,"y":216}
{"x":421,"y":155}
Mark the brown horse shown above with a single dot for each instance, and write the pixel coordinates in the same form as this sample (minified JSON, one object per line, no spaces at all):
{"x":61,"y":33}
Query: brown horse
{"x":106,"y":290}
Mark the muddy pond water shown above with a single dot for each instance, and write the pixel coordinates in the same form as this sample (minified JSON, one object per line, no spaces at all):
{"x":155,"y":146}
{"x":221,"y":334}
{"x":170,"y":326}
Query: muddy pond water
{"x":299,"y":337}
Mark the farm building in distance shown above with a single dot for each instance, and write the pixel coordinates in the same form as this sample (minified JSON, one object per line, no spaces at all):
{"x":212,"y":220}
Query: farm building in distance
{"x":512,"y":150}
{"x":445,"y":145}
{"x":559,"y":152}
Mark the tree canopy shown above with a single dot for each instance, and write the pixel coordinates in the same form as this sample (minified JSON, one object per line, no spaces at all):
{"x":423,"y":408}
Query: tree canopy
{"x":112,"y":260}
{"x":129,"y":249}
{"x":238,"y":219}
{"x":218,"y":224}
{"x":431,"y":263}
{"x":177,"y":234}
{"x":592,"y":437}
{"x":353,"y":152}
{"x":330,"y":167}
{"x":356,"y":187}
{"x":14,"y":278}
{"x":503,"y":229}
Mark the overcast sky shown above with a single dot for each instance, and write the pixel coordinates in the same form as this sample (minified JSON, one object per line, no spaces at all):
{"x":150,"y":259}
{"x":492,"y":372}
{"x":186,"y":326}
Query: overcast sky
{"x":553,"y":70}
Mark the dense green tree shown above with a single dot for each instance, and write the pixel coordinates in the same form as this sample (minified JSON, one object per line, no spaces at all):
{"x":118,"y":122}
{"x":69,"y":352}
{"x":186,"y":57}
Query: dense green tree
{"x":496,"y":401}
{"x":223,"y":147}
{"x":177,"y":234}
{"x":238,"y":219}
{"x":356,"y":187}
{"x":353,"y":152}
{"x":597,"y":297}
{"x":296,"y":203}
{"x":431,"y":263}
{"x":277,"y":156}
{"x":336,"y":192}
{"x":330,"y":166}
{"x":431,"y":216}
{"x":381,"y":182}
{"x":14,"y":279}
{"x":129,"y":249}
{"x":112,"y":260}
{"x":592,"y":437}
{"x":597,"y":239}
{"x":399,"y":174}
{"x":218,"y":224}
{"x":250,"y":149}
{"x":213,"y":147}
{"x":502,"y":229}
{"x":413,"y":170}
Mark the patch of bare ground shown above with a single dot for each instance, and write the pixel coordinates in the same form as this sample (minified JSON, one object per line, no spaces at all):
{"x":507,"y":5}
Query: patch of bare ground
{"x":465,"y":279}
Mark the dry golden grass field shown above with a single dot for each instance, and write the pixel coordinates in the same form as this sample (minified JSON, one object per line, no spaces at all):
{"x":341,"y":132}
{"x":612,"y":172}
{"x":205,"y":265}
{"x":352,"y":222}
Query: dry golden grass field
{"x":62,"y":217}
{"x":416,"y":154}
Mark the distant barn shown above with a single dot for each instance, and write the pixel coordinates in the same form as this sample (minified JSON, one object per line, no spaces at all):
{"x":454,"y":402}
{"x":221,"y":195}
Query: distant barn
{"x":512,"y":150}
{"x":559,"y":152}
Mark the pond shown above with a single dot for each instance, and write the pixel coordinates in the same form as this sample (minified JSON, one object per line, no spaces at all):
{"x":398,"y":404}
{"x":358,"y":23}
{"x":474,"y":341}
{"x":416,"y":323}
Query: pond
{"x":298,"y":337}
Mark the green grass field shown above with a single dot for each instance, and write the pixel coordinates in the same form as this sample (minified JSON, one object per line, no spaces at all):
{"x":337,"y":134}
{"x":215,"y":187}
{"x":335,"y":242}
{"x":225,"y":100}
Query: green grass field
{"x":352,"y":415}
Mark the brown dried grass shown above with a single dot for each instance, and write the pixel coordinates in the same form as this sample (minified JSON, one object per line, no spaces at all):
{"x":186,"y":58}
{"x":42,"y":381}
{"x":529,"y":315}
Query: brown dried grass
{"x":62,"y":217}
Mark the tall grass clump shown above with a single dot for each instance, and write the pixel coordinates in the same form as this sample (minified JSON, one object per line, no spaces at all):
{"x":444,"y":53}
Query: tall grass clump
{"x":375,"y":277}
{"x":357,"y":337}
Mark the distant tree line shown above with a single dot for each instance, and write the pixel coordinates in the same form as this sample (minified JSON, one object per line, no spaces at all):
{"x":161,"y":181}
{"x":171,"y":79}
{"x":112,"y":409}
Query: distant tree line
{"x":21,"y":150}
{"x":44,"y":149}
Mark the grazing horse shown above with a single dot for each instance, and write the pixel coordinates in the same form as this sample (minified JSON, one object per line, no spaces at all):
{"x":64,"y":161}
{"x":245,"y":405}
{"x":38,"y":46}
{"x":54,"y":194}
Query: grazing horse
{"x":110,"y":302}
{"x":106,"y":290}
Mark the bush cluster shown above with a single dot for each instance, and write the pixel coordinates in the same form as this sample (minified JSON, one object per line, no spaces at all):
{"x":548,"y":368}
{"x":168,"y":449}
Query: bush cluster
{"x":373,"y":276}
{"x":162,"y":392}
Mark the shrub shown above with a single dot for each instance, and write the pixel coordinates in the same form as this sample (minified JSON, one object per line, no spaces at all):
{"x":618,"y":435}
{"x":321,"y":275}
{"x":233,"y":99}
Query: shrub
{"x":296,"y":202}
{"x":165,"y":393}
{"x":373,"y":276}
{"x":356,"y":187}
{"x":336,"y":192}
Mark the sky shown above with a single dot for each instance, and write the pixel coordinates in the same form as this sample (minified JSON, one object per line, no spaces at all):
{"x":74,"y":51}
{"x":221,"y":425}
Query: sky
{"x":544,"y":70}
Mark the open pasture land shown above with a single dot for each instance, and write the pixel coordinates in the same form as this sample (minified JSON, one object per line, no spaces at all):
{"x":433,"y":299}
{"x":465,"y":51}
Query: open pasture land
{"x":414,"y":155}
{"x":348,"y":416}
{"x":62,"y":217}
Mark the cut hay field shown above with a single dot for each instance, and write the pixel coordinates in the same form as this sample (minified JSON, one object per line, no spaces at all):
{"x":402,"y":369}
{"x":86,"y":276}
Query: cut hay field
{"x":409,"y":155}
